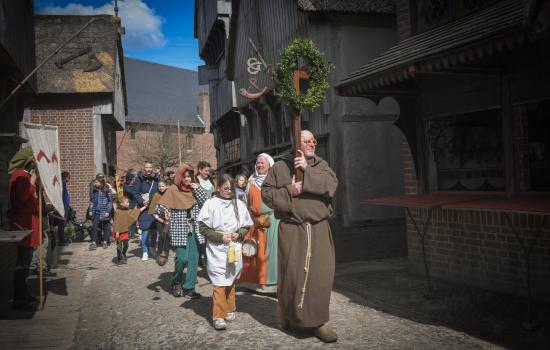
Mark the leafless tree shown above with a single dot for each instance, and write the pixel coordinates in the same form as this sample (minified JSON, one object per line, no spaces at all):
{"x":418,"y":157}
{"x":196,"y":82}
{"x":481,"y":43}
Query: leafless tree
{"x":160,"y":144}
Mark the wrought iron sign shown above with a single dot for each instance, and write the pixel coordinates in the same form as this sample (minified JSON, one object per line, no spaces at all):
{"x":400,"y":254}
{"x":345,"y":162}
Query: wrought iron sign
{"x":254,"y":67}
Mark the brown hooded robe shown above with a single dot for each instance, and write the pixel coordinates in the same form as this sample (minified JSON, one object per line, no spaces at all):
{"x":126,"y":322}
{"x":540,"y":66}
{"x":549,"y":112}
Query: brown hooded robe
{"x":313,"y":206}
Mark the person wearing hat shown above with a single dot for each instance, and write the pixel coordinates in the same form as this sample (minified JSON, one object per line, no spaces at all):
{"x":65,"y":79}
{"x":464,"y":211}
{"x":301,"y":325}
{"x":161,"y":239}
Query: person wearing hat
{"x":260,"y":263}
{"x":180,"y":205}
{"x":23,"y":215}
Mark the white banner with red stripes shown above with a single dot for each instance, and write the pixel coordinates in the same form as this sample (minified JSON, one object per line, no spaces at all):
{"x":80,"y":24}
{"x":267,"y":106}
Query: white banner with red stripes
{"x":45,"y":147}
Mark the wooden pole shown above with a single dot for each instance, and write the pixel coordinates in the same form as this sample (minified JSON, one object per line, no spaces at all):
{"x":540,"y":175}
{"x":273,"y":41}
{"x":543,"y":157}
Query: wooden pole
{"x":509,"y":138}
{"x":12,"y":93}
{"x":179,"y":141}
{"x":41,"y":258}
{"x":297,"y":125}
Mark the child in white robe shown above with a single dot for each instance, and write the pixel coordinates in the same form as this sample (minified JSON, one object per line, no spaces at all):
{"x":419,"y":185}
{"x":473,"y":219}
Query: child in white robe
{"x":224,"y":220}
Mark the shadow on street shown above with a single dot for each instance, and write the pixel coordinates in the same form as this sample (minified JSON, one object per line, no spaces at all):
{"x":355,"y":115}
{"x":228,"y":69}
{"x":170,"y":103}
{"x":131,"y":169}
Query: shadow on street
{"x":387,"y":286}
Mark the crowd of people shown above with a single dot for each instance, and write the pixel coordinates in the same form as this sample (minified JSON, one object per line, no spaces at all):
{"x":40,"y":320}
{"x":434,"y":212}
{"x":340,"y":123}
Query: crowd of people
{"x":267,"y":231}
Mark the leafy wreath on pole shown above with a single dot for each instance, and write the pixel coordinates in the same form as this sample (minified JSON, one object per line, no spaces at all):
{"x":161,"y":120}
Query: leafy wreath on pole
{"x":318,"y":78}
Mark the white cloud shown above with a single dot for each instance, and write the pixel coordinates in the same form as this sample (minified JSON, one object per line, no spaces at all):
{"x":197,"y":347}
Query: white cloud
{"x":143,"y":26}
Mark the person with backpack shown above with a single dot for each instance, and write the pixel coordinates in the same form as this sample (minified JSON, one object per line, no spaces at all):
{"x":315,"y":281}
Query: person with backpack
{"x":145,"y":186}
{"x":100,"y":210}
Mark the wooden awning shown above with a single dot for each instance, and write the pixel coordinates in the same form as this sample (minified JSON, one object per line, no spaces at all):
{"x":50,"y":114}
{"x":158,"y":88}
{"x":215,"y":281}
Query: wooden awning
{"x":493,"y":30}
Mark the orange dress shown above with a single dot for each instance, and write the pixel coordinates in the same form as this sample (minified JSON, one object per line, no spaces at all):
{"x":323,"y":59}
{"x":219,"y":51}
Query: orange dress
{"x":255,"y":268}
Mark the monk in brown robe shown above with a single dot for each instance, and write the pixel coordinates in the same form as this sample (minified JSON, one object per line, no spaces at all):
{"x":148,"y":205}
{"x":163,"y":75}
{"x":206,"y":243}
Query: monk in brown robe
{"x":306,"y":249}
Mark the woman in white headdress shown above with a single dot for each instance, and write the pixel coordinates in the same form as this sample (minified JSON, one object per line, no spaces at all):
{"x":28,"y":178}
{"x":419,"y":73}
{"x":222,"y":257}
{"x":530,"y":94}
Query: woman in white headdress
{"x":260,"y":243}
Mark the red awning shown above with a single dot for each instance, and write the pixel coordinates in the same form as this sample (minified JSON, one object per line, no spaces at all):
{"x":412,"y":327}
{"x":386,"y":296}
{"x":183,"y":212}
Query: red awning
{"x":532,"y":203}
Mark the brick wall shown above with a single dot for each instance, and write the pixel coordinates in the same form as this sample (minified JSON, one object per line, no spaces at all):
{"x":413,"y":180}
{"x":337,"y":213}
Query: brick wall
{"x":130,"y":156}
{"x":409,"y":170}
{"x":76,"y":143}
{"x":202,"y":147}
{"x":403,"y":20}
{"x":478,"y":248}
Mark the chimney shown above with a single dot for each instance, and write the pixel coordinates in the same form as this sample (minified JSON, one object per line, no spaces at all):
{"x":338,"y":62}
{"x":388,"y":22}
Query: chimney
{"x":204,"y":110}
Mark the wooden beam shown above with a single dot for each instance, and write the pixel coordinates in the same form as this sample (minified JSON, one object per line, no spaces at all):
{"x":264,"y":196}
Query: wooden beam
{"x":468,"y":70}
{"x":509,"y":139}
{"x":297,"y":125}
{"x":388,"y":92}
{"x":422,"y":165}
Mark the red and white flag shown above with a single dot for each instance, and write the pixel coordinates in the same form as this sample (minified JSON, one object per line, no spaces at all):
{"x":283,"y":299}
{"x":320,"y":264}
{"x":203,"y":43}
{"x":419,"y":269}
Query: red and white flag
{"x":45,"y":147}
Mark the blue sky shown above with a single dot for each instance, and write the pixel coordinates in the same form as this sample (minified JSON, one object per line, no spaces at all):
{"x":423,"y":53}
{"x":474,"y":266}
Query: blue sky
{"x":156,"y":30}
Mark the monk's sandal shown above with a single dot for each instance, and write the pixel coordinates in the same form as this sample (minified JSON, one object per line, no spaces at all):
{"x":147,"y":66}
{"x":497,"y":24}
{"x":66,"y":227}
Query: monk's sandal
{"x":325,"y":334}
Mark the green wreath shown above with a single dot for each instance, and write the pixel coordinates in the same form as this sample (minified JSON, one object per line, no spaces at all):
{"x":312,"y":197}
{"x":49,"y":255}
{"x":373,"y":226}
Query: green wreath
{"x":318,"y":79}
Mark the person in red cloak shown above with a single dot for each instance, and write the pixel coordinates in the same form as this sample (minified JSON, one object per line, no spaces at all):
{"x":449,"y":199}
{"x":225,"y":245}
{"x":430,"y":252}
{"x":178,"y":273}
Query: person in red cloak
{"x":23,"y":215}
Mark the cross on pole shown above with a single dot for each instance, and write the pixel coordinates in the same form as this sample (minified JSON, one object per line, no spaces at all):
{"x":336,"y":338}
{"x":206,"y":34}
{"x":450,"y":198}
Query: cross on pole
{"x":300,"y":74}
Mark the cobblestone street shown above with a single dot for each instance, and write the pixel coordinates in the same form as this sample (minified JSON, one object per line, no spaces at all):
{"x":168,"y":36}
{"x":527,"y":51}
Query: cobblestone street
{"x":375,"y":305}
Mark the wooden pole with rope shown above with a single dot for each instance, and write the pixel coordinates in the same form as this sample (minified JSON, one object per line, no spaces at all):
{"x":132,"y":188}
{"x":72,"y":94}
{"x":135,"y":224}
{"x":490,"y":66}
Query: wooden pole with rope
{"x":40,"y":246}
{"x":179,"y":141}
{"x":297,"y":125}
{"x":40,"y":233}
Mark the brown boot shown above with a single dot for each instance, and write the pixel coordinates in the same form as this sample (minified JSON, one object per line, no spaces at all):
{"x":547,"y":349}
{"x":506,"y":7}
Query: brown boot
{"x":325,"y":334}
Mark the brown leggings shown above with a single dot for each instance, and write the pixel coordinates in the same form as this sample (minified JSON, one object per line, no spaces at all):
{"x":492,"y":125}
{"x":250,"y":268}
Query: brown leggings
{"x":223,"y":300}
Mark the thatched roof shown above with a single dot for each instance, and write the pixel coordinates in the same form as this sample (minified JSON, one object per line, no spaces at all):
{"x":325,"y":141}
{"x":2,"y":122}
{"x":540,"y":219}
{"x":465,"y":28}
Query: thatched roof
{"x":101,"y":38}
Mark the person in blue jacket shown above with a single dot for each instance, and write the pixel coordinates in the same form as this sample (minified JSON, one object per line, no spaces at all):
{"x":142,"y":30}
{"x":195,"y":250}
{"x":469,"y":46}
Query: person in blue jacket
{"x":145,"y":186}
{"x":101,"y":206}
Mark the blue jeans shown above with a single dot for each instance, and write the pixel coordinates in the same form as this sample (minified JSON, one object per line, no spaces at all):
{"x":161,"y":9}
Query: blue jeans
{"x":148,"y":239}
{"x":98,"y":224}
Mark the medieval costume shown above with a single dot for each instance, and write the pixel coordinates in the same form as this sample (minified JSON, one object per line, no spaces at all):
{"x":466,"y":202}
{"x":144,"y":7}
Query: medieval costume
{"x":163,"y":229}
{"x":306,"y":249}
{"x":217,"y":217}
{"x":261,"y":269}
{"x":182,"y":204}
{"x":23,"y":215}
{"x":123,"y":220}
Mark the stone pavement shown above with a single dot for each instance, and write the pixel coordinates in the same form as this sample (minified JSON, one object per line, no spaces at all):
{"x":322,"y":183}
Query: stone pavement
{"x":375,"y":305}
{"x":53,"y":327}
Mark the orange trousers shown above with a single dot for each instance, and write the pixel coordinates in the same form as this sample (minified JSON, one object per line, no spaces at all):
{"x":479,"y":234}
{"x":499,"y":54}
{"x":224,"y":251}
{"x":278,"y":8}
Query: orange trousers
{"x":223,"y":300}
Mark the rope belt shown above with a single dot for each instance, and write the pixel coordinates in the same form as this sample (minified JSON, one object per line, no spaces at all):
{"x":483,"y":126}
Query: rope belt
{"x":306,"y":264}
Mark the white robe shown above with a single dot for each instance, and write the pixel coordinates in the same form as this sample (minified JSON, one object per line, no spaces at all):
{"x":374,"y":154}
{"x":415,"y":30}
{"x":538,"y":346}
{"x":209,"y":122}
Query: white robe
{"x":219,"y":214}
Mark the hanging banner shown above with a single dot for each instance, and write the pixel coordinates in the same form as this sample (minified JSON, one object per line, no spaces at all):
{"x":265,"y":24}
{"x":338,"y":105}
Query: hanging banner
{"x":45,"y":147}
